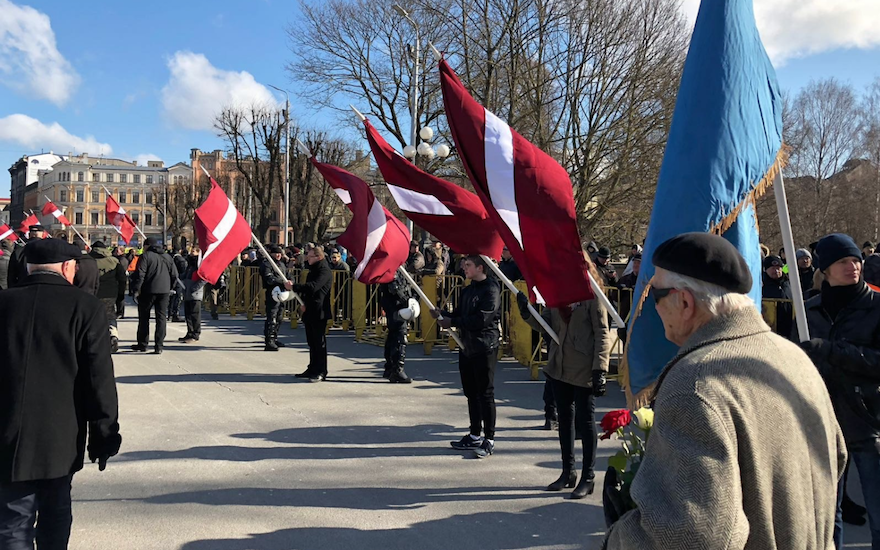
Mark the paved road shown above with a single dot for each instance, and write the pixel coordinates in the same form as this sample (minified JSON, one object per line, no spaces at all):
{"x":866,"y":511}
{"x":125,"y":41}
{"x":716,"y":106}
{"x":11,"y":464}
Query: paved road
{"x":223,"y":449}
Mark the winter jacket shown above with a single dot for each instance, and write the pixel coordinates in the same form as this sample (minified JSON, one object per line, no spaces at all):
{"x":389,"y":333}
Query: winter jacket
{"x":394,"y":296}
{"x":87,"y":276}
{"x":156,"y":273}
{"x":779,"y":289}
{"x":415,"y":263}
{"x":4,"y":268}
{"x":111,"y":274}
{"x":849,"y":361}
{"x":510,"y":269}
{"x":806,"y":277}
{"x":316,"y":292}
{"x":270,"y":277}
{"x":478,"y":316}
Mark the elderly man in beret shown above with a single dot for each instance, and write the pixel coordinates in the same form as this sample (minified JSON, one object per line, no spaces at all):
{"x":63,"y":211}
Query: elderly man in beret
{"x":57,"y":391}
{"x":745,"y":452}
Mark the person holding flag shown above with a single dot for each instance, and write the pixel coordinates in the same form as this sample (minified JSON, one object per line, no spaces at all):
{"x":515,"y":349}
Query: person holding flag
{"x":316,"y":311}
{"x":274,"y":308}
{"x":17,"y":263}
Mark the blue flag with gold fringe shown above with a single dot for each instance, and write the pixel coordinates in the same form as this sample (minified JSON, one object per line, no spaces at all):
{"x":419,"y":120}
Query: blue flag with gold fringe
{"x":724,"y":149}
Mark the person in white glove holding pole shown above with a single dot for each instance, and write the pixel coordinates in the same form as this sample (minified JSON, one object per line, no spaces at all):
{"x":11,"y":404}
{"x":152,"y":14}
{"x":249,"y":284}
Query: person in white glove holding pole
{"x":396,"y":299}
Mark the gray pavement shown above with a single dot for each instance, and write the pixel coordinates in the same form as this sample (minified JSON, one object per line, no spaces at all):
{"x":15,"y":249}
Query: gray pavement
{"x":223,"y":449}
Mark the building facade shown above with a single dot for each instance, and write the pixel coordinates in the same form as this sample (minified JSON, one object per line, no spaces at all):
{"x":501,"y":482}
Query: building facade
{"x":24,"y":172}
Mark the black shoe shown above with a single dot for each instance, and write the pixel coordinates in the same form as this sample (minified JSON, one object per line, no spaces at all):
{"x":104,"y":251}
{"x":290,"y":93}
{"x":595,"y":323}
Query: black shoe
{"x":214,"y":316}
{"x":466,"y":443}
{"x":138,"y":347}
{"x":566,"y":481}
{"x":304,"y":374}
{"x":157,"y":351}
{"x":114,"y":344}
{"x":584,"y":487}
{"x":399,"y":377}
{"x":279,"y":344}
{"x":184,"y":339}
{"x":485,"y":449}
{"x":848,"y":506}
{"x":551,"y":424}
{"x":317,"y":378}
{"x":388,"y":370}
{"x":271,"y":346}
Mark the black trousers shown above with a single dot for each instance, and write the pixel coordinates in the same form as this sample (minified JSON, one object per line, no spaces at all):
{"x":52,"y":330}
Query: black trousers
{"x":274,"y":317}
{"x":317,"y":340}
{"x":45,"y":503}
{"x":478,"y":381}
{"x":549,"y":400}
{"x":576,"y":403}
{"x":395,"y":344}
{"x":192,"y":311}
{"x":159,"y":303}
{"x":120,"y":307}
{"x":174,"y":304}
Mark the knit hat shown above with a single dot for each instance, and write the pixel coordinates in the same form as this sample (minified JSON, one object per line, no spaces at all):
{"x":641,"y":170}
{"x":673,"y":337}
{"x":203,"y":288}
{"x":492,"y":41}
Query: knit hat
{"x":773,"y":261}
{"x":604,"y":252}
{"x":834,"y":247}
{"x":803,"y":253}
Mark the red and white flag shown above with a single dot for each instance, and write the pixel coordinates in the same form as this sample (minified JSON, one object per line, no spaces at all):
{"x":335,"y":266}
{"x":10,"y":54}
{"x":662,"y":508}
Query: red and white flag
{"x":222,"y":232}
{"x":6,"y":232}
{"x":50,"y":208}
{"x":452,"y":214}
{"x":378,"y":240}
{"x":118,"y":218}
{"x":26,"y":223}
{"x":526,"y":193}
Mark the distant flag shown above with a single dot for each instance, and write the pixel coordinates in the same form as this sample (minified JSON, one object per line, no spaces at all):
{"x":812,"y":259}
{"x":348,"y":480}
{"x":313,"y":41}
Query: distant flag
{"x":526,"y":193}
{"x":452,"y":214}
{"x":50,"y":208}
{"x":26,"y":223}
{"x":118,"y":218}
{"x":378,"y":240}
{"x":6,"y":232}
{"x":222,"y":232}
{"x":723,"y":151}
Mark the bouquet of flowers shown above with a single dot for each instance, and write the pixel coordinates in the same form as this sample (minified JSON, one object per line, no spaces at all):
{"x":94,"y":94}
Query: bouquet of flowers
{"x":623,"y":466}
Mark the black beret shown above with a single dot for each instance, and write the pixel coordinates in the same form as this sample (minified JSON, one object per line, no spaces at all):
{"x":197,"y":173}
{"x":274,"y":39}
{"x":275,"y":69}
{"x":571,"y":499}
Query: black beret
{"x":51,"y":251}
{"x":773,"y":261}
{"x":705,"y":257}
{"x":637,"y":256}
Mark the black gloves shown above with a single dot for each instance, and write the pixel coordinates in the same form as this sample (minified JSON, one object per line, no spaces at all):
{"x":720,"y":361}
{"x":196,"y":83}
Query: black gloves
{"x":522,"y":302}
{"x":599,"y":383}
{"x":102,"y":448}
{"x":817,"y":348}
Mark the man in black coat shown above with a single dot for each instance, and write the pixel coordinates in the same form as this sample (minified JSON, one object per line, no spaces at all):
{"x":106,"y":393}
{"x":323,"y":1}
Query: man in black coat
{"x":120,"y":255}
{"x":152,"y":287}
{"x":775,"y":286}
{"x":316,"y":295}
{"x":87,"y":276}
{"x":274,"y":309}
{"x":844,"y":323}
{"x":55,"y":380}
{"x":478,"y":318}
{"x":17,"y":264}
{"x":176,"y":299}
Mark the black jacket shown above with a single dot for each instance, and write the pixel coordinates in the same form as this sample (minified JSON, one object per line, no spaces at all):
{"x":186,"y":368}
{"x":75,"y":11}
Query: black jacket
{"x":87,"y":276}
{"x":478,"y":316}
{"x":394,"y":296}
{"x":779,"y":289}
{"x":156,"y":273}
{"x":4,"y":268}
{"x":849,"y":360}
{"x":806,"y":277}
{"x":17,"y":267}
{"x":316,"y":291}
{"x":510,"y":269}
{"x":56,"y":376}
{"x":270,"y":278}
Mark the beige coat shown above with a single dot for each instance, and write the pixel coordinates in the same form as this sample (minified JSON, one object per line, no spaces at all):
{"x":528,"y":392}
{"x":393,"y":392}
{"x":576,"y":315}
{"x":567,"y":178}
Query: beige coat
{"x":586,"y":343}
{"x":745,"y":452}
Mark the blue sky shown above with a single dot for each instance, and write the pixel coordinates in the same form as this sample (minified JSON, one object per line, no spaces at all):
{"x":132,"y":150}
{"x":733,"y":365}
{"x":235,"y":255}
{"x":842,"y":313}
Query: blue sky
{"x":140,"y":81}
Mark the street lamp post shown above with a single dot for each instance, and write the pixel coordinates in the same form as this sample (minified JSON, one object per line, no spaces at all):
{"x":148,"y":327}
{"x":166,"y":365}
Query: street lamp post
{"x":286,"y":164}
{"x":414,"y":108}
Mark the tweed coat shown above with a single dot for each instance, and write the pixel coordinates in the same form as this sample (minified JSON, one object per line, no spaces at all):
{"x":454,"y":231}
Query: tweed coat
{"x":745,"y":452}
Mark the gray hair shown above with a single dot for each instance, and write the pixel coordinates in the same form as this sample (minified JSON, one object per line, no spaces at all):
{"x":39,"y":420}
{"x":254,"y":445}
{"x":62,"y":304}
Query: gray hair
{"x":718,"y":300}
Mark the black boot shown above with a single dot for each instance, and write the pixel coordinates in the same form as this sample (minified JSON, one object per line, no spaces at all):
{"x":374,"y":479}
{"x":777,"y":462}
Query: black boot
{"x":565,"y":481}
{"x":270,"y":345}
{"x":399,"y":377}
{"x":585,"y":485}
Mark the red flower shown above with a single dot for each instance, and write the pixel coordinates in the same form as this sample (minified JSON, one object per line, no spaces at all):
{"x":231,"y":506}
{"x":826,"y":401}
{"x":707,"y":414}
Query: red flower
{"x":613,"y":421}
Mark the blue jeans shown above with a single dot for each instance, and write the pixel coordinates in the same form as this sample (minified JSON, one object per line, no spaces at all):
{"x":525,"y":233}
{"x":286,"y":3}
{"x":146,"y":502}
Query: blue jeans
{"x":868,"y":464}
{"x":45,"y":503}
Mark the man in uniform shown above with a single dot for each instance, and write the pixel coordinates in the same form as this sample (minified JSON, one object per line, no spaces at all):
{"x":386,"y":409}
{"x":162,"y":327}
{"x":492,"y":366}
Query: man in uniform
{"x":316,"y":295}
{"x":17,"y":263}
{"x":478,"y":318}
{"x":111,"y":286}
{"x":393,"y":297}
{"x":274,"y":309}
{"x":56,"y":380}
{"x":152,"y":287}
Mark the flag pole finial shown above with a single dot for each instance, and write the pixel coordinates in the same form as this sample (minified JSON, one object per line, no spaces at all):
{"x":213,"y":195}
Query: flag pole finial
{"x":303,"y":148}
{"x":437,"y":55}
{"x":358,"y":113}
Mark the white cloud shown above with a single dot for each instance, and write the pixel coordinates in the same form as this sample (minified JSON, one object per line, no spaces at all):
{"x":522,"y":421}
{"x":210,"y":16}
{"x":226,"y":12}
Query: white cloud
{"x":34,"y":135}
{"x":800,"y":28}
{"x":197,"y":91}
{"x":144,"y":157}
{"x":30,"y":62}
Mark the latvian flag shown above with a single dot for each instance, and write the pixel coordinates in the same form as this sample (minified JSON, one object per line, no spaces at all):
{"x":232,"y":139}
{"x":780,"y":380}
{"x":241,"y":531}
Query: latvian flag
{"x":26,"y":224}
{"x":50,"y":208}
{"x":378,"y":240}
{"x":526,"y":193}
{"x":222,"y":232}
{"x":452,"y":214}
{"x":118,"y":218}
{"x":6,"y":232}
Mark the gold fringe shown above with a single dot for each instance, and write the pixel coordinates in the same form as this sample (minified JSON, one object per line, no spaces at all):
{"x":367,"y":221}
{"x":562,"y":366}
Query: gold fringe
{"x":643,"y":398}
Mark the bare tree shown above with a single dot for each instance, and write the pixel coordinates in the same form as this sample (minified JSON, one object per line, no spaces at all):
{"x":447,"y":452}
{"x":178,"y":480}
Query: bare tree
{"x":870,"y":145}
{"x":177,"y":202}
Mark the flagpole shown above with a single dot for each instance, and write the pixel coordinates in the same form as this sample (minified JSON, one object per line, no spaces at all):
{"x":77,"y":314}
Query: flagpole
{"x":132,"y":221}
{"x":72,"y":227}
{"x":515,"y":291}
{"x":600,"y":295}
{"x":800,"y":310}
{"x":425,"y":299}
{"x":275,"y":266}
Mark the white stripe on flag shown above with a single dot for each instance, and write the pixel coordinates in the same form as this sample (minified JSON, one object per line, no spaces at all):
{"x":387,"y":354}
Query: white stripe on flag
{"x":375,"y":232}
{"x":344,"y":195}
{"x":499,"y":172}
{"x":223,"y":228}
{"x":418,"y":203}
{"x":6,"y":233}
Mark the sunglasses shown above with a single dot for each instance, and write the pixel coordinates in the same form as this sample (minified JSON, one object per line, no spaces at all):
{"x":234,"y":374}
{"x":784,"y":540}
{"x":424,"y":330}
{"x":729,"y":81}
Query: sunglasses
{"x":660,"y":293}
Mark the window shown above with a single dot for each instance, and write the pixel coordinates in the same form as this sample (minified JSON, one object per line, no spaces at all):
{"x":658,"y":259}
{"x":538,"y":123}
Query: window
{"x":122,"y":199}
{"x":123,"y":178}
{"x":135,"y":217}
{"x":95,"y":218}
{"x":135,"y":197}
{"x":80,"y":195}
{"x":273,"y":236}
{"x":81,"y":176}
{"x":176,"y":180}
{"x":96,"y":196}
{"x":149,"y":179}
{"x":274,"y":218}
{"x":62,"y":195}
{"x":109,"y":178}
{"x":148,"y":218}
{"x":96,"y":176}
{"x":161,"y":179}
{"x":148,"y":199}
{"x":78,"y":218}
{"x":137,"y":178}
